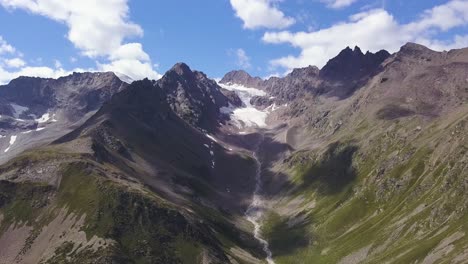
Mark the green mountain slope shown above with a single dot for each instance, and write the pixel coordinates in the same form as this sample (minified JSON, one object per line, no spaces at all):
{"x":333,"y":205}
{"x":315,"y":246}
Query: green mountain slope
{"x":380,"y":177}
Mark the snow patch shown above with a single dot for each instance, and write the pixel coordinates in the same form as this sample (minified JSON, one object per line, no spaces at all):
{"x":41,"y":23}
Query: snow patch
{"x":211,"y":137}
{"x":12,"y":141}
{"x":44,"y":118}
{"x":27,"y":132}
{"x":247,"y":116}
{"x":40,"y":128}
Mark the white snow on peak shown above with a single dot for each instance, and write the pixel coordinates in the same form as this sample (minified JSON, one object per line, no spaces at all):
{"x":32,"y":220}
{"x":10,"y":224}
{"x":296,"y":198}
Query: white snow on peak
{"x":12,"y":141}
{"x":19,"y":110}
{"x":247,"y":116}
{"x":40,"y":128}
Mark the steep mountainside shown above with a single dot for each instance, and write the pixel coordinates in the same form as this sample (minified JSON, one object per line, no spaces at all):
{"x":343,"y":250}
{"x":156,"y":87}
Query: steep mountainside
{"x":135,"y":183}
{"x":35,"y":111}
{"x":380,"y":177}
{"x":194,"y":97}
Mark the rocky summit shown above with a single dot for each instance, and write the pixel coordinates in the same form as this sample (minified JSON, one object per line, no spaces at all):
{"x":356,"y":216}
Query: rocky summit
{"x":362,"y":161}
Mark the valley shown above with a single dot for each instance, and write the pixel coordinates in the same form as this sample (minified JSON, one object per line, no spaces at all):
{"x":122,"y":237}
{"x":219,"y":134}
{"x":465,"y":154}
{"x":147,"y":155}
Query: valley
{"x":362,"y":161}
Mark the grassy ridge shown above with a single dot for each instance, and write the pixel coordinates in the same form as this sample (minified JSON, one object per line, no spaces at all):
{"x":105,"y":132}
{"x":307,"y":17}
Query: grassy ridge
{"x":145,"y":229}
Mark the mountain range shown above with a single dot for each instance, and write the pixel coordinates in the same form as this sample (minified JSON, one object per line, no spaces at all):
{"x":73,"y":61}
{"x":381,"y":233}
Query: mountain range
{"x":362,"y":161}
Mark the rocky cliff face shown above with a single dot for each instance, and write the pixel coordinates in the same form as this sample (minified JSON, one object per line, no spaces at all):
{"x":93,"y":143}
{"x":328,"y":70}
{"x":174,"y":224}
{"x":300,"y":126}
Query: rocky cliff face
{"x":340,"y":77}
{"x":350,"y":70}
{"x":35,"y":111}
{"x":243,"y":78}
{"x":194,"y":97}
{"x":72,"y":95}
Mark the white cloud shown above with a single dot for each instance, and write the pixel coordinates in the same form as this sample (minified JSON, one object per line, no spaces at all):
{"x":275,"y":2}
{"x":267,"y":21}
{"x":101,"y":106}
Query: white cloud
{"x":14,"y":63}
{"x":11,"y":68}
{"x":135,"y":69}
{"x":243,"y":60}
{"x":130,"y":51}
{"x":97,"y":28}
{"x":57,"y":64}
{"x":5,"y":47}
{"x":373,"y":30}
{"x":338,"y":3}
{"x":43,"y":72}
{"x":261,"y":14}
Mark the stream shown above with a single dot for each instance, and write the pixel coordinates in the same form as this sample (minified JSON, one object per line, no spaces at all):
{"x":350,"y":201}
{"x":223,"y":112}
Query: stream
{"x":250,"y":117}
{"x":255,"y":210}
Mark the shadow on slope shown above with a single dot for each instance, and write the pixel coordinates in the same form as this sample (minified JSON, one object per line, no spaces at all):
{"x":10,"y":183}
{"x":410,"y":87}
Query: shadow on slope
{"x":333,"y":172}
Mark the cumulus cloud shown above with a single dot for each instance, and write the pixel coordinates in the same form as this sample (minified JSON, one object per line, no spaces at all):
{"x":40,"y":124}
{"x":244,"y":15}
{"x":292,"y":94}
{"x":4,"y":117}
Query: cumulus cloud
{"x":14,"y":63}
{"x":5,"y":47}
{"x":135,"y":69}
{"x":13,"y":66}
{"x":373,"y":30}
{"x":338,"y":3}
{"x":261,"y":14}
{"x":43,"y":72}
{"x":243,"y":60}
{"x":97,"y":28}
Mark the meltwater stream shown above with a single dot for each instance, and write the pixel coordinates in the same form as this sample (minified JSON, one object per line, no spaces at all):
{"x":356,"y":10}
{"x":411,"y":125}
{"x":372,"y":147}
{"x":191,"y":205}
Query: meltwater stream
{"x":255,"y":211}
{"x":249,"y":116}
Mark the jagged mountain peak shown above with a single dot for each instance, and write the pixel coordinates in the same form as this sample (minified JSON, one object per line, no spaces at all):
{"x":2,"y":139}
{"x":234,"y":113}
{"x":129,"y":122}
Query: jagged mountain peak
{"x":306,"y":71}
{"x":181,"y":69}
{"x":241,"y":77}
{"x":193,"y":96}
{"x":349,"y":62}
{"x":410,"y":46}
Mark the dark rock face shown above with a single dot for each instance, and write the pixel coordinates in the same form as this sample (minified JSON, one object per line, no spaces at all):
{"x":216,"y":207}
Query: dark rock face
{"x":38,"y":111}
{"x":243,"y":78}
{"x":194,"y":97}
{"x":73,"y":95}
{"x":232,"y":97}
{"x":299,"y":81}
{"x":340,"y":77}
{"x":261,"y":102}
{"x":352,"y":64}
{"x":349,"y":70}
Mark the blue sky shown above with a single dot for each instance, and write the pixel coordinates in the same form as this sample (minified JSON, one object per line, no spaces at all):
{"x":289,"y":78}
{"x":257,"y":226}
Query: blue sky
{"x":48,"y":38}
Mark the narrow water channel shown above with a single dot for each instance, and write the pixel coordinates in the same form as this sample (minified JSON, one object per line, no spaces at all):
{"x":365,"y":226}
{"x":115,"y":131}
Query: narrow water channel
{"x":256,"y":209}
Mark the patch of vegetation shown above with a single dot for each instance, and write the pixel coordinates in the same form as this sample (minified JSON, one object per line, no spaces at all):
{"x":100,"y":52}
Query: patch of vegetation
{"x":331,"y":173}
{"x":284,"y":238}
{"x":146,"y":231}
{"x":390,"y":112}
{"x":22,"y":202}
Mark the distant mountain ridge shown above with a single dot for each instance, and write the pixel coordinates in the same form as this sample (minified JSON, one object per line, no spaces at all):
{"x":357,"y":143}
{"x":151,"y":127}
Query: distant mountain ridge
{"x":341,"y":76}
